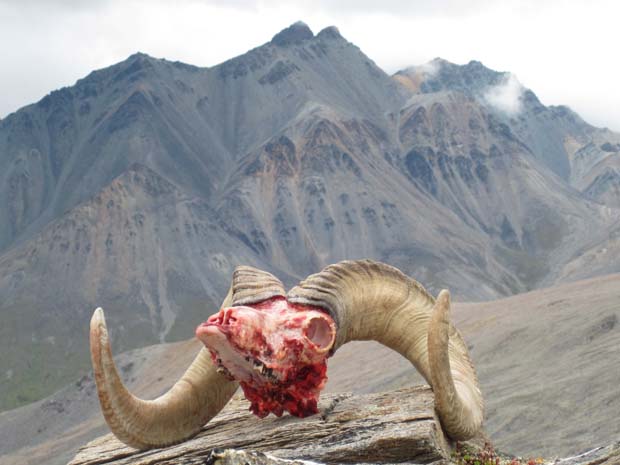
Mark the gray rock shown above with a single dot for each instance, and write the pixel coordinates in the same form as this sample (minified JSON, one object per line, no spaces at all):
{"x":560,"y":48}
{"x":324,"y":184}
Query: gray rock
{"x":392,"y":427}
{"x":294,"y":34}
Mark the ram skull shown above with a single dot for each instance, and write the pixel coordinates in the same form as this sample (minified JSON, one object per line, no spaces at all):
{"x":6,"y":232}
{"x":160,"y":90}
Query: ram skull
{"x":275,"y":345}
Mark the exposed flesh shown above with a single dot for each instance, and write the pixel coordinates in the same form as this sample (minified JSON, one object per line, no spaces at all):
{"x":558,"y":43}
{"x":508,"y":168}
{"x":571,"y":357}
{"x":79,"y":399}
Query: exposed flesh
{"x":276,"y":350}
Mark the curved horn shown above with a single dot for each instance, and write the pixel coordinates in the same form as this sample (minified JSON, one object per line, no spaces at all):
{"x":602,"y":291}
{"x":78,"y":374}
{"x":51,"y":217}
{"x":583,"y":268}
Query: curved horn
{"x":196,"y":398}
{"x":457,"y":397}
{"x":373,"y":301}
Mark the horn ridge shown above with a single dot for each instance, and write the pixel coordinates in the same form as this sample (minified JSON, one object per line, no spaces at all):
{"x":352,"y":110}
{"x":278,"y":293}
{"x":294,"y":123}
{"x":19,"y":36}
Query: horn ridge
{"x":251,"y":285}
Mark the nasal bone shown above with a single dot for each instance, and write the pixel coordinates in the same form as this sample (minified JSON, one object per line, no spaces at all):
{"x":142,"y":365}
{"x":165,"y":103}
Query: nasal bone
{"x":224,"y":317}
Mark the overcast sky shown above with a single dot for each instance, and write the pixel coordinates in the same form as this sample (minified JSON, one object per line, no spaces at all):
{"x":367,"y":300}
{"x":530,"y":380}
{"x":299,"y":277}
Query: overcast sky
{"x":564,"y":50}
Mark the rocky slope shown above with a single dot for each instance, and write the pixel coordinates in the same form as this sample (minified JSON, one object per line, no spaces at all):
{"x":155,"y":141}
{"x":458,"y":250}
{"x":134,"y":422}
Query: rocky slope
{"x":544,"y":359}
{"x":141,"y":187}
{"x":584,"y":156}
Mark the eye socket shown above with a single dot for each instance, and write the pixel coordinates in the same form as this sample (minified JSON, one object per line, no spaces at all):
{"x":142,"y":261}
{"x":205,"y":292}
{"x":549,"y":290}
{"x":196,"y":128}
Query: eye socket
{"x":320,"y":333}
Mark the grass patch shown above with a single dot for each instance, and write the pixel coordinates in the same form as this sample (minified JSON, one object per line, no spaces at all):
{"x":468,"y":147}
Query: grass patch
{"x":467,"y":454}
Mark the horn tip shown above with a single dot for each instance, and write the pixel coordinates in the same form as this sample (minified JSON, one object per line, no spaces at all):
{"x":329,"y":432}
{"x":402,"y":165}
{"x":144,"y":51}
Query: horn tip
{"x":444,"y":296}
{"x":98,"y":327}
{"x":98,"y":317}
{"x":442,"y":305}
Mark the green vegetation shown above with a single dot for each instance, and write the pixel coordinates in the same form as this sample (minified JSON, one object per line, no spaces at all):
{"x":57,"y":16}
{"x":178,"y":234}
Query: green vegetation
{"x":467,"y":454}
{"x":42,"y":353}
{"x":33,"y":364}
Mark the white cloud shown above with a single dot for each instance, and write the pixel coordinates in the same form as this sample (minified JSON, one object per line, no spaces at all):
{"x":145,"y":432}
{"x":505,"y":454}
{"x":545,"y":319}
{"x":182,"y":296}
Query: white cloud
{"x":428,"y":69}
{"x":506,"y":96}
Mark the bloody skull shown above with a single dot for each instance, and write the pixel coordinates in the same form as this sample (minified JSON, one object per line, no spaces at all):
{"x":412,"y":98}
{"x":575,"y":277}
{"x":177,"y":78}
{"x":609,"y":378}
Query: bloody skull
{"x":276,"y":350}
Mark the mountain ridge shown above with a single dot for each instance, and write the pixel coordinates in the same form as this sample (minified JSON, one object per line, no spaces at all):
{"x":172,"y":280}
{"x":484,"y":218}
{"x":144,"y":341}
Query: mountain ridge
{"x":288,"y":157}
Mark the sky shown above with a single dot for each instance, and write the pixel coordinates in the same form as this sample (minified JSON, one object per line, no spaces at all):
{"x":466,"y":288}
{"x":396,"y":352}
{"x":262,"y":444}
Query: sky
{"x":566,"y":51}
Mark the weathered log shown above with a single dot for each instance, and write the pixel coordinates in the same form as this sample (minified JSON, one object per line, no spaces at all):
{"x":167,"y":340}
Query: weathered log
{"x":390,"y":427}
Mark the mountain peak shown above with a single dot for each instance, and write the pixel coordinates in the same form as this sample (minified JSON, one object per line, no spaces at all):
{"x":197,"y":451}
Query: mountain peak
{"x":139,"y":55}
{"x":294,"y":34}
{"x":330,"y":32}
{"x":439,"y":74}
{"x":476,"y":64}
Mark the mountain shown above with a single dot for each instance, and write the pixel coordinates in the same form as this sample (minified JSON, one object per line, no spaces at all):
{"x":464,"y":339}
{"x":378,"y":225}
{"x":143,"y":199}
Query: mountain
{"x":141,"y":187}
{"x":542,"y":359}
{"x":584,"y":156}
